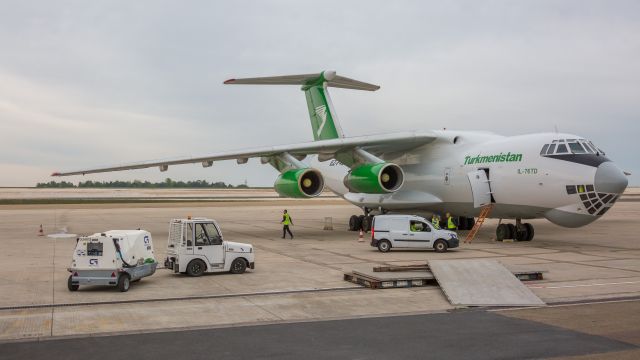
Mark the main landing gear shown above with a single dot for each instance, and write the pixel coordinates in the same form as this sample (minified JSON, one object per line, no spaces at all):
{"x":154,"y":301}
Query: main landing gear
{"x":517,"y":232}
{"x":357,"y":222}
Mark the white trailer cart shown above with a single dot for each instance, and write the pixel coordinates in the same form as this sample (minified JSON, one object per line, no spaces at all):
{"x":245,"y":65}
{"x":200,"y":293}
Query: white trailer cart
{"x":196,"y":246}
{"x":113,"y":258}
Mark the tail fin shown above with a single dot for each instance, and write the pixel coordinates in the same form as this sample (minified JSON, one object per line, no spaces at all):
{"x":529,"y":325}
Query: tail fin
{"x":324,"y":121}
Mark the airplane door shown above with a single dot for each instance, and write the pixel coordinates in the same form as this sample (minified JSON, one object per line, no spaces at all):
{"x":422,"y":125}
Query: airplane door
{"x":480,"y":187}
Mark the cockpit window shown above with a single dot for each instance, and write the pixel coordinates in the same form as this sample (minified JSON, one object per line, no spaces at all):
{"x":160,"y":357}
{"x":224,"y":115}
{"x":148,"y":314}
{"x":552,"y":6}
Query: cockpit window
{"x":576,"y":148}
{"x":562,"y":149}
{"x":552,"y":148}
{"x":544,"y":149}
{"x":570,"y":146}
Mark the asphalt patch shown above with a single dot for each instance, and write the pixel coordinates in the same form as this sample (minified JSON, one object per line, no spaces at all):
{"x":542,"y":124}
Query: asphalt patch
{"x":457,"y":335}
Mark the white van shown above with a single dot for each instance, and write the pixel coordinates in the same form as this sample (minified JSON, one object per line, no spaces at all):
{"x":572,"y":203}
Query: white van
{"x":410,"y":232}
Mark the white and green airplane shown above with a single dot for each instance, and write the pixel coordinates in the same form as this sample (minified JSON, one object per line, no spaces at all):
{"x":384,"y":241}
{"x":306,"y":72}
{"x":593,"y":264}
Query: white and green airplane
{"x":564,"y":178}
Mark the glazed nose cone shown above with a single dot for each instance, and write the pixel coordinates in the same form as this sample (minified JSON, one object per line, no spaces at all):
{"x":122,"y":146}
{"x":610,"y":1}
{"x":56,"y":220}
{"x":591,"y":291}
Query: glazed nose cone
{"x":610,"y":179}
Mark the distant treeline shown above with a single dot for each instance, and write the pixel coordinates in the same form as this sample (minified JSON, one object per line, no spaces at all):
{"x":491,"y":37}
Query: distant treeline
{"x":168,"y":183}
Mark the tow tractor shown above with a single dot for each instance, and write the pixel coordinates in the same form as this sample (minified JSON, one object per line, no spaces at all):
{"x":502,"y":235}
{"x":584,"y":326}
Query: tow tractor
{"x":196,"y":246}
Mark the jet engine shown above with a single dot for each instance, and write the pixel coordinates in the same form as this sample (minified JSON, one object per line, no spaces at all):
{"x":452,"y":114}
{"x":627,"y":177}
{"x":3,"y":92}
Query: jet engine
{"x":377,"y":178}
{"x":299,"y":183}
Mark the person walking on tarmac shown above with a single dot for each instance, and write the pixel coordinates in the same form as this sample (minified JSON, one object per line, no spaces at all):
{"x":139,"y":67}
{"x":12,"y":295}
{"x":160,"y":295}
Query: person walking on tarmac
{"x":451,"y":223}
{"x":435,"y":221}
{"x":286,"y":221}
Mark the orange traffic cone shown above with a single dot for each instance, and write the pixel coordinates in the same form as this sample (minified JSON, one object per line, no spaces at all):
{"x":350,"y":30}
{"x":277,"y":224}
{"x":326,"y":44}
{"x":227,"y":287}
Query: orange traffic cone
{"x":361,"y":237}
{"x":40,"y":232}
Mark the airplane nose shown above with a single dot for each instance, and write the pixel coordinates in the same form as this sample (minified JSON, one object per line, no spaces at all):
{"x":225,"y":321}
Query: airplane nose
{"x":610,"y":179}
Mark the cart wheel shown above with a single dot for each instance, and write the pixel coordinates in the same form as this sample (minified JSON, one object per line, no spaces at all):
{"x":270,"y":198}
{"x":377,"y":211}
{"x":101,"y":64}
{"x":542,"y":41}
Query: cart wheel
{"x":71,"y":286}
{"x":440,"y":246}
{"x":196,"y":267}
{"x":124,"y":282}
{"x":238,"y":266}
{"x":384,"y":246}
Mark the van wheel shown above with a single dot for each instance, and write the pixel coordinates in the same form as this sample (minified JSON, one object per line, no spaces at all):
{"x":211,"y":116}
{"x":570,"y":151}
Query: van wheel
{"x":71,"y":286}
{"x":238,"y":266}
{"x":440,"y":246}
{"x":124,"y":282}
{"x":196,"y":267}
{"x":384,"y":246}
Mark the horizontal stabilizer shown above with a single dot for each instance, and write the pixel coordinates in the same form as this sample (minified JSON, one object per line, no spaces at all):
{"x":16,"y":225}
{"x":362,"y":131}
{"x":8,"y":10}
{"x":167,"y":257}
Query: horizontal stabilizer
{"x":328,"y":76}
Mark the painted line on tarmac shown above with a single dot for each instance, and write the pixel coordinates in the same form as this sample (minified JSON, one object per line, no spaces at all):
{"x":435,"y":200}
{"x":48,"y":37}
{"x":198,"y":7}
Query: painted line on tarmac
{"x":582,"y":285}
{"x":185,"y":298}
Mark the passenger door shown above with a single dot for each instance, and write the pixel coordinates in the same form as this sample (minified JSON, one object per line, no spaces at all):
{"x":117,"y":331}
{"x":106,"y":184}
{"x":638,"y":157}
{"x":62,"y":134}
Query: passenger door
{"x":480,"y":188}
{"x":208,"y":243}
{"x":422,"y":234}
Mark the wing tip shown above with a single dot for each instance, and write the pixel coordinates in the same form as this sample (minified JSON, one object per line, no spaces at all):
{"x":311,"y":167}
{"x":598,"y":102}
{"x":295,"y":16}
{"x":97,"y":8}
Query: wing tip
{"x":229,"y":81}
{"x":55,"y":174}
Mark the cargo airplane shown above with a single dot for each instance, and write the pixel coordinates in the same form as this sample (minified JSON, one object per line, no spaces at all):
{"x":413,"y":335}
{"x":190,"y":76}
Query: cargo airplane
{"x":564,"y":178}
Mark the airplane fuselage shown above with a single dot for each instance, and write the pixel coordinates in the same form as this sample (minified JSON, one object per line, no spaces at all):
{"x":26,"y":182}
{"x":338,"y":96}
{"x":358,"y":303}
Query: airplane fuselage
{"x":522,"y":181}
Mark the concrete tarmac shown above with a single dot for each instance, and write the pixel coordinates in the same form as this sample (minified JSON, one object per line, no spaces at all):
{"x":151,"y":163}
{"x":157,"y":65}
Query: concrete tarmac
{"x":295,"y":280}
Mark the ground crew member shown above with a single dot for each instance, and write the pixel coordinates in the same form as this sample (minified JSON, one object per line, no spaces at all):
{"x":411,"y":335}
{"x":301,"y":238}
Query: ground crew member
{"x":435,"y":221}
{"x":286,"y":221}
{"x":451,"y":224}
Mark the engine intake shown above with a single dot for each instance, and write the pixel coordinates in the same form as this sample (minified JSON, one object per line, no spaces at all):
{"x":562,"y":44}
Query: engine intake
{"x":378,"y":178}
{"x":299,"y":183}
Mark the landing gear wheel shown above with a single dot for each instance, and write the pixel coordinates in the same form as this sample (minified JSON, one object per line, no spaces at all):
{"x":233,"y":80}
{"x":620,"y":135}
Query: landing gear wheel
{"x":384,"y":246}
{"x":124,"y":282}
{"x":462,"y":223}
{"x":238,"y":266}
{"x":353,"y":223}
{"x":196,"y":267}
{"x":71,"y":286}
{"x":521,"y":235}
{"x":366,"y":223}
{"x":512,"y":231}
{"x":471,"y":222}
{"x":530,"y":232}
{"x":440,"y":246}
{"x":502,"y":232}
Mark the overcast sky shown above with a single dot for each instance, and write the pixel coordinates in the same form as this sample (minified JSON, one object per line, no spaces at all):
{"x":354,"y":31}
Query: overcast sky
{"x":86,"y":83}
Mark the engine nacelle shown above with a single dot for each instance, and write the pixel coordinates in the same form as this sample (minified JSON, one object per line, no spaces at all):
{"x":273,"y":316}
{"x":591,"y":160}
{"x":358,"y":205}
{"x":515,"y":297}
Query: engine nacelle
{"x":378,"y":178}
{"x":299,"y":183}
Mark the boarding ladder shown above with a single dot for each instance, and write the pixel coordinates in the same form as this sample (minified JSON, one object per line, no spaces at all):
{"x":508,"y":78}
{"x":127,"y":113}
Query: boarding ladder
{"x":484,"y":213}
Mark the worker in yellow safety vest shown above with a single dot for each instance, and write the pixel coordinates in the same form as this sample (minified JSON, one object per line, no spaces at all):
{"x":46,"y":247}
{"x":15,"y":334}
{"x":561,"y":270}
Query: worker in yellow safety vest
{"x":435,"y":221}
{"x":286,"y":221}
{"x":451,"y":225}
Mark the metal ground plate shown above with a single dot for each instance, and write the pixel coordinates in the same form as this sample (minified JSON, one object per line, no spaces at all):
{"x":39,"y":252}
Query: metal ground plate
{"x":481,"y":282}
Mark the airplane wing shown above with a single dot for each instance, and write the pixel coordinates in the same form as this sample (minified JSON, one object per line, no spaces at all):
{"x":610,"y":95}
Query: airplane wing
{"x":375,"y":144}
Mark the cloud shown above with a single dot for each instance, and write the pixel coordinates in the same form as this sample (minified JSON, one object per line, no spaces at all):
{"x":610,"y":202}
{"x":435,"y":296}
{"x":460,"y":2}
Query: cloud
{"x":98,"y":83}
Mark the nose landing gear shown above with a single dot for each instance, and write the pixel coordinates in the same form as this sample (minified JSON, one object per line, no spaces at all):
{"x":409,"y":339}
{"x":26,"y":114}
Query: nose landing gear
{"x":517,"y":232}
